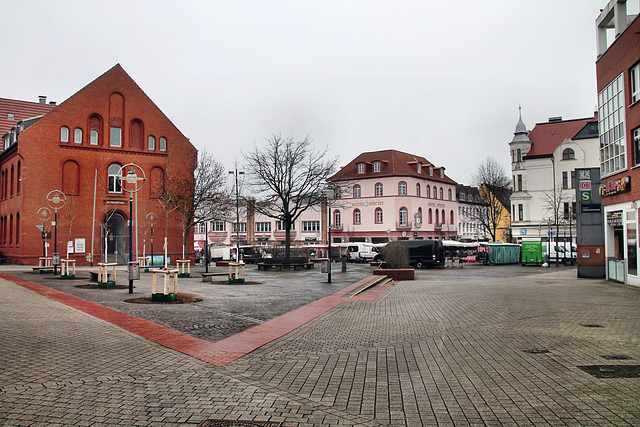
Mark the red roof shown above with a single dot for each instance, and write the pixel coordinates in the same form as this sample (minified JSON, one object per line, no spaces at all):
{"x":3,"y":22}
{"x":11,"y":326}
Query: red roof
{"x":20,"y":110}
{"x":546,"y":137}
{"x":392,"y":163}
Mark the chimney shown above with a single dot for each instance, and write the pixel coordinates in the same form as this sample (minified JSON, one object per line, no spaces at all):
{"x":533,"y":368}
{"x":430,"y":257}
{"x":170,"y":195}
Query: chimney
{"x":42,"y":99}
{"x":555,"y":119}
{"x":52,"y":102}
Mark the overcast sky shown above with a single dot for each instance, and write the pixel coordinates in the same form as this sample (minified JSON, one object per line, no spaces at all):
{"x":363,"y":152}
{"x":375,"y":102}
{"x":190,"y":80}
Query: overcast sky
{"x":440,"y":79}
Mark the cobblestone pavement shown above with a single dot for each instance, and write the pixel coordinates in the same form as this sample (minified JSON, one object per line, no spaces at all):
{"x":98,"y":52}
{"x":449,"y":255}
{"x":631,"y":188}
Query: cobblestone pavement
{"x":447,"y":349}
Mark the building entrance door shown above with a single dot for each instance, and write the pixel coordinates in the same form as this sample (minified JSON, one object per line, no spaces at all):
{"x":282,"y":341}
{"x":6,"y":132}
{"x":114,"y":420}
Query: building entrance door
{"x":117,"y":239}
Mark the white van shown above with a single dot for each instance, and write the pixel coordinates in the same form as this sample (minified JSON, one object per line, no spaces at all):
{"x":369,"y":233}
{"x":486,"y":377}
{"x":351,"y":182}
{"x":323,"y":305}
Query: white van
{"x":559,"y":253}
{"x":362,"y":252}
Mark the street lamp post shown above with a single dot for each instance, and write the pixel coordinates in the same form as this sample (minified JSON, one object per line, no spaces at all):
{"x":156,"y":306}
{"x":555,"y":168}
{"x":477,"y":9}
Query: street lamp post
{"x":235,"y":173}
{"x":329,"y":193}
{"x":132,"y":180}
{"x":151,"y":219}
{"x":56,"y":200}
{"x":44,"y":214}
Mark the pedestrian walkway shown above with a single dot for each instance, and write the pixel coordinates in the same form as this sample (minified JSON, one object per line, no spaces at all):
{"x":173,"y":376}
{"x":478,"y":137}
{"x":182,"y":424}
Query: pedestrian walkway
{"x":441,"y":350}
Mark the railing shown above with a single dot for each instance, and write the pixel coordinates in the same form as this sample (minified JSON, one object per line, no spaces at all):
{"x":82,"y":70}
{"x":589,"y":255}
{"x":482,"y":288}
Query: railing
{"x":404,"y":225}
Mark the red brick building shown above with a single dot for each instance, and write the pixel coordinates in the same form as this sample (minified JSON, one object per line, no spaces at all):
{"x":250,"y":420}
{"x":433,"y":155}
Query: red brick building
{"x":618,"y":80}
{"x":79,"y":147}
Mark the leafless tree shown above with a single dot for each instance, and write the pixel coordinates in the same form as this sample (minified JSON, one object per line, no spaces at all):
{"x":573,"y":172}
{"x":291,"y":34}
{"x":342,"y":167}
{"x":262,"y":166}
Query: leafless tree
{"x":494,"y":188}
{"x":197,"y":200}
{"x":553,"y":203}
{"x":288,"y":177}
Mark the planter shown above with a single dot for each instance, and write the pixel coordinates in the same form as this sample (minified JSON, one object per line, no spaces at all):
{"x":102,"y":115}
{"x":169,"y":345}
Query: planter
{"x":164,"y":297}
{"x":396,"y":273}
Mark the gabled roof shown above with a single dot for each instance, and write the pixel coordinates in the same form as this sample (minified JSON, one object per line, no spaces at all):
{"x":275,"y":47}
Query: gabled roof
{"x":546,"y":137}
{"x":19,"y":110}
{"x":392,"y":163}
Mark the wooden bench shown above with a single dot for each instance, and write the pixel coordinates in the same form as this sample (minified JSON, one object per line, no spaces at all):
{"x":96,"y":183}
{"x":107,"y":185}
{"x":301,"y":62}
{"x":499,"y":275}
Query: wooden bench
{"x":281,"y":263}
{"x":94,"y":276}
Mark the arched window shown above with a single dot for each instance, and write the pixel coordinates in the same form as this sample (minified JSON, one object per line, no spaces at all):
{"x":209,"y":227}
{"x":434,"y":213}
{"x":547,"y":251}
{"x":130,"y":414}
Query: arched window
{"x":156,"y":178}
{"x":437,"y":217}
{"x":77,"y":136}
{"x":114,"y":184}
{"x":378,"y":215}
{"x":64,"y":134}
{"x":427,"y":191}
{"x":163,"y":144}
{"x":356,"y":191}
{"x":378,"y":190}
{"x":444,"y":219}
{"x":451,"y":217}
{"x":568,"y":154}
{"x":137,"y":132}
{"x":11,"y":230}
{"x":418,"y":189}
{"x":356,"y":216}
{"x":18,"y":178}
{"x":151,"y":143}
{"x":449,"y":194}
{"x":336,"y":219}
{"x":18,"y":229}
{"x":95,"y":130}
{"x":430,"y":216}
{"x":404,"y":217}
{"x":441,"y":198}
{"x":519,"y":155}
{"x":435,"y":192}
{"x":71,"y":177}
{"x":402,"y":188}
{"x":12,"y":182}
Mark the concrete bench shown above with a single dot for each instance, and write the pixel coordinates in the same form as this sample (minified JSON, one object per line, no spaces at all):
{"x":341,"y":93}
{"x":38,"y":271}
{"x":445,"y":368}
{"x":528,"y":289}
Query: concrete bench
{"x":208,"y":277}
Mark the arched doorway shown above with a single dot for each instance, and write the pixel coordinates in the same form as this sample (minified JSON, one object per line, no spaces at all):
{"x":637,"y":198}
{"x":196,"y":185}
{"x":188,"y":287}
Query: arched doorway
{"x":116,"y":230}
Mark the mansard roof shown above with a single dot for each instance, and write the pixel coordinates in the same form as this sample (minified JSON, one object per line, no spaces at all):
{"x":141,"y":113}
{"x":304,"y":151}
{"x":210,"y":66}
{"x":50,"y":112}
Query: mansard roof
{"x":392,"y":163}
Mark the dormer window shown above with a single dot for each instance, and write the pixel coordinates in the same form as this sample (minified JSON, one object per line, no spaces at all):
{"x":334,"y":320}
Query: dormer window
{"x":462,"y":196}
{"x":376,"y":167}
{"x":360,"y":167}
{"x":441,"y":173}
{"x":431,"y":170}
{"x":419,"y":168}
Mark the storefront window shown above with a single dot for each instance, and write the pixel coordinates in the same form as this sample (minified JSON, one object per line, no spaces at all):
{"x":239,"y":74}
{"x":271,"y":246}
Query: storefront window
{"x":632,"y":261}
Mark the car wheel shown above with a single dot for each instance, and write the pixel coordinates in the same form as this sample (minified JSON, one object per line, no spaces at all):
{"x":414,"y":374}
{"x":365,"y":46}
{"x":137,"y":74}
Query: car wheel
{"x":419,"y":264}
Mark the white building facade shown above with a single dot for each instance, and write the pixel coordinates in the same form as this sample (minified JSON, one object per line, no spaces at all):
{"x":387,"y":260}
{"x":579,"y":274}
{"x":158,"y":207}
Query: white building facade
{"x":543,"y":161}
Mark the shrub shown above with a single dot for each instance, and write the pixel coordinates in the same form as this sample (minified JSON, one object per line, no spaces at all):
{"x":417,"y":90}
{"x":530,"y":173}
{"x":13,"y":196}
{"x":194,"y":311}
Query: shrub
{"x":396,"y":255}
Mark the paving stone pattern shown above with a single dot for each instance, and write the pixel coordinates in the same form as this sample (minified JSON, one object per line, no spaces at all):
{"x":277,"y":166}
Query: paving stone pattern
{"x":447,"y":349}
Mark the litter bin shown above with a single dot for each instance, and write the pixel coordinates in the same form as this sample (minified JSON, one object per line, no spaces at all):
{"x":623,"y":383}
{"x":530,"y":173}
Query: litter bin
{"x":325,"y":267}
{"x":134,"y":270}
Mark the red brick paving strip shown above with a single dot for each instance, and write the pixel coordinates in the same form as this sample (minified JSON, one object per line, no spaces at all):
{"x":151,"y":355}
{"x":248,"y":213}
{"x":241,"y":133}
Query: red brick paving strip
{"x":217,"y":353}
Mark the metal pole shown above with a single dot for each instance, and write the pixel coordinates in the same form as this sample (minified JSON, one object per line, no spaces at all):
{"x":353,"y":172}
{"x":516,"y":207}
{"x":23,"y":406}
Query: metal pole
{"x":237,"y":220}
{"x":151,"y":263}
{"x":206,"y":247}
{"x":93,"y":221}
{"x":55,"y":242}
{"x":130,"y":242}
{"x":329,"y":251}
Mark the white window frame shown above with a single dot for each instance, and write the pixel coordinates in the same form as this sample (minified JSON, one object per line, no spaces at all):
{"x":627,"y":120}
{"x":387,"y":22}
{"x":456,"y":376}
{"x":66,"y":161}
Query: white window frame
{"x":263,"y":227}
{"x":308,"y":226}
{"x":94,"y":137}
{"x":379,"y":189}
{"x":219,"y":226}
{"x":357,"y":191}
{"x":114,"y":184}
{"x":634,"y":76}
{"x":404,"y":217}
{"x":280,"y":226}
{"x":115,"y":137}
{"x":379,"y":216}
{"x":376,"y":167}
{"x":611,"y":127}
{"x":64,"y":134}
{"x":360,"y":167}
{"x":77,"y":136}
{"x":357,"y":217}
{"x":162,"y":144}
{"x":402,"y":188}
{"x":243,"y":227}
{"x":151,"y":143}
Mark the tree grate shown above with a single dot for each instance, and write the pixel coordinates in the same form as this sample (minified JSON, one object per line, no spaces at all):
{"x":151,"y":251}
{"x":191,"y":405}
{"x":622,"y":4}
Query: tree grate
{"x":612,"y":371}
{"x":238,"y":423}
{"x":535,"y":351}
{"x":616,"y":357}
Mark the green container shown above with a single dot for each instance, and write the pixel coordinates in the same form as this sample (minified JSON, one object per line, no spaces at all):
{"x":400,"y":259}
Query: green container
{"x":164,"y":298}
{"x":532,"y":252}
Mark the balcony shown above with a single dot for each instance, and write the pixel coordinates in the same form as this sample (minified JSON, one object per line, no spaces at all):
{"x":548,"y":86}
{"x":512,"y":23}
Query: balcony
{"x":404,"y":225}
{"x":337,"y":227}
